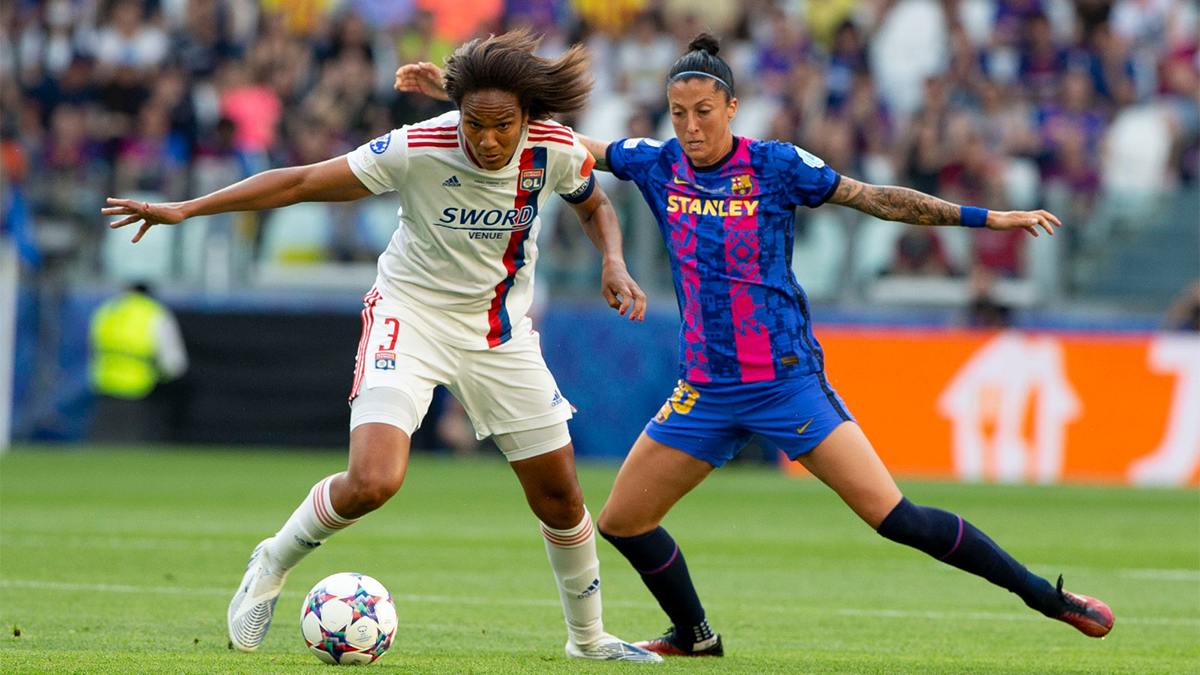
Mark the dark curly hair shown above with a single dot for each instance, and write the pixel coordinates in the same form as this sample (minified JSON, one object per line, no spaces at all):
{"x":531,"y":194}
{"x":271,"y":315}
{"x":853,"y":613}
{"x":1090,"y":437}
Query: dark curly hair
{"x":506,"y":62}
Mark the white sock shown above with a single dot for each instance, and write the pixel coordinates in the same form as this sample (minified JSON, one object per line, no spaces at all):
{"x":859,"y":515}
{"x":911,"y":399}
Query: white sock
{"x":311,"y":524}
{"x":576,"y":568}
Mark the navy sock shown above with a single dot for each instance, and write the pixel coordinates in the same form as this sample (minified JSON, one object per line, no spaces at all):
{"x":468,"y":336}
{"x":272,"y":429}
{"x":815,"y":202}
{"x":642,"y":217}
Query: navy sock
{"x":658,"y":560}
{"x":954,"y":541}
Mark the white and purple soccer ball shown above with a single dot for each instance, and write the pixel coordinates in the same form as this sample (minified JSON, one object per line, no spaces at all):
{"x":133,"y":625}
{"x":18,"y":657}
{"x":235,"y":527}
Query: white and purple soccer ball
{"x":348,"y":619}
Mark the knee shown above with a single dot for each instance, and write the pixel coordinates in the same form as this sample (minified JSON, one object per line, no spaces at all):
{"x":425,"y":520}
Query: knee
{"x":560,"y":506}
{"x":369,"y":492}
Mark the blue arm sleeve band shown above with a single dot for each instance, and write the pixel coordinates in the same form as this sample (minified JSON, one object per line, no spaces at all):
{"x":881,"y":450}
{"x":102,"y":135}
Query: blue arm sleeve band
{"x":972,"y":216}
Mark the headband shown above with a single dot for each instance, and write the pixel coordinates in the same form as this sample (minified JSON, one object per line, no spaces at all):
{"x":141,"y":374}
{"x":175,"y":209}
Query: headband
{"x":702,"y":74}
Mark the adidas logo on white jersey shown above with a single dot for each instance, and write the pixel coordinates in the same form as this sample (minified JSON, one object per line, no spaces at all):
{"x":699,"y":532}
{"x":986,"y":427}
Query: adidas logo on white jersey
{"x":452,"y":181}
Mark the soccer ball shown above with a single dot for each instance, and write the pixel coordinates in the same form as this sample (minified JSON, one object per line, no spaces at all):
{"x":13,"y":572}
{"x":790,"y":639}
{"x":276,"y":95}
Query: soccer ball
{"x":348,"y":619}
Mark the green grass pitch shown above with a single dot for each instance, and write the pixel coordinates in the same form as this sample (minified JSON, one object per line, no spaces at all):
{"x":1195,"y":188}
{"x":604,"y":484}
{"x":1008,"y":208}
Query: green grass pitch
{"x":124,"y":562}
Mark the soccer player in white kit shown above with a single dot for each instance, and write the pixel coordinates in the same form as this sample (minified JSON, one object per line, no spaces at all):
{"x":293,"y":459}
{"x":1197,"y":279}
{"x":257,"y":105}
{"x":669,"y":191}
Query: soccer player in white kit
{"x":449,"y":307}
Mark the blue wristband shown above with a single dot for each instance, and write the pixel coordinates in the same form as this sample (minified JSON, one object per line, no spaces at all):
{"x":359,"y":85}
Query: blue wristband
{"x":972,"y":216}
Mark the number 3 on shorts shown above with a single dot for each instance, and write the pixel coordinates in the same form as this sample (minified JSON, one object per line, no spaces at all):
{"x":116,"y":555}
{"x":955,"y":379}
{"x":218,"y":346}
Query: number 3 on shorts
{"x":395,"y":324}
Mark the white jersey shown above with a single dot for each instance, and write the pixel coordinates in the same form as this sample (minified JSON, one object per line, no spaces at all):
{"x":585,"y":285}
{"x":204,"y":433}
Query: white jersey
{"x":465,"y":251}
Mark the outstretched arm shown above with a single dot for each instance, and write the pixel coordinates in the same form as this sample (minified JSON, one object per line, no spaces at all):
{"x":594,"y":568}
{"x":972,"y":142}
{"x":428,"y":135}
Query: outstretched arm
{"x":917,"y":208}
{"x":599,"y":222}
{"x":328,"y":181}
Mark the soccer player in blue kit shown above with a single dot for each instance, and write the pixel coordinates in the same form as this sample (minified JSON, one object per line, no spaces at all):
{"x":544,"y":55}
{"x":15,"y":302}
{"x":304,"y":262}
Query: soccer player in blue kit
{"x":749,"y":362}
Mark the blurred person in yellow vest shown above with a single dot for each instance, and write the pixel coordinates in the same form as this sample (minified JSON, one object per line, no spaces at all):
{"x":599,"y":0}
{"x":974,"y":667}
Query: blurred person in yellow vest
{"x":138,"y":360}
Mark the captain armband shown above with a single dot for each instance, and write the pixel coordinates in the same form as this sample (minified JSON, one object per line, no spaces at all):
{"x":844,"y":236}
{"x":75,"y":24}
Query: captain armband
{"x":581,"y":193}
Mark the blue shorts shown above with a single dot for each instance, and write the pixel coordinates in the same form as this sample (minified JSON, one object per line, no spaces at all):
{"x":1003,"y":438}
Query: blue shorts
{"x":713,"y":422}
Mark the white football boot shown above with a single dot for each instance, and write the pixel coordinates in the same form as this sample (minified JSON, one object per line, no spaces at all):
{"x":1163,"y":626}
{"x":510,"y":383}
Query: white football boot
{"x":611,"y":648}
{"x":254,"y":602}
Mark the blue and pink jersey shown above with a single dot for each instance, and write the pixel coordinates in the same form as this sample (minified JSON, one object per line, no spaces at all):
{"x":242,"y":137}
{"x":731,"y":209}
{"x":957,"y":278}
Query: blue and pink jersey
{"x":729,"y":230}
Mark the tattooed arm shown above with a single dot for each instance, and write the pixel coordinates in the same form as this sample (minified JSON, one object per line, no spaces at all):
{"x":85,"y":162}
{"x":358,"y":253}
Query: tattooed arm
{"x":917,"y":208}
{"x":599,"y":150}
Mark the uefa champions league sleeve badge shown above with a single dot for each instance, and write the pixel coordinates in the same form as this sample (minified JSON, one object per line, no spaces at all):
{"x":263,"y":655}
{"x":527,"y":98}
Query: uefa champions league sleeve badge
{"x":380,"y":144}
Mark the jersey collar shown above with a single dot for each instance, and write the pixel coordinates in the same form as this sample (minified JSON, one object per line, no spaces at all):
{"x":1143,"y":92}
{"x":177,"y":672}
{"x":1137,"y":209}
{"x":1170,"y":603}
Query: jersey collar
{"x":716,"y":165}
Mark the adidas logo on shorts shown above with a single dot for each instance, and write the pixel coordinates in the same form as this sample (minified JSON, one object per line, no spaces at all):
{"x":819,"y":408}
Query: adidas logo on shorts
{"x":452,"y":181}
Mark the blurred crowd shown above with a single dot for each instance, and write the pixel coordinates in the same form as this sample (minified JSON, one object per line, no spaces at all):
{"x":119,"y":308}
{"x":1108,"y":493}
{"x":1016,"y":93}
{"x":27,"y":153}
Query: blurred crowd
{"x":1087,"y":107}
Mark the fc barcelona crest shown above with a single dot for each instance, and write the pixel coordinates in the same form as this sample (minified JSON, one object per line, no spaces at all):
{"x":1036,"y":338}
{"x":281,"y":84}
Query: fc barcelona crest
{"x":742,"y":185}
{"x":532,"y":179}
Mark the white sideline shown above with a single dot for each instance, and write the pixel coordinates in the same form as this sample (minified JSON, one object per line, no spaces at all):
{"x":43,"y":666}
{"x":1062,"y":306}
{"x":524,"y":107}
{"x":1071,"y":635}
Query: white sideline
{"x":549,"y":602}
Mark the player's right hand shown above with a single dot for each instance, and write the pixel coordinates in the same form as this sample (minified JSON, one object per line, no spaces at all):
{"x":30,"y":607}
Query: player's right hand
{"x":422,"y":78}
{"x":622,"y":293}
{"x":146,"y":213}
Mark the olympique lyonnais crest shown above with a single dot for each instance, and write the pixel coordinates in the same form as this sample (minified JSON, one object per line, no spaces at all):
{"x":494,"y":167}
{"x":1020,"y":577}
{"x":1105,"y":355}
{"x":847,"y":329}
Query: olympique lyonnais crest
{"x":532,"y":179}
{"x":385,"y":361}
{"x":742,"y":185}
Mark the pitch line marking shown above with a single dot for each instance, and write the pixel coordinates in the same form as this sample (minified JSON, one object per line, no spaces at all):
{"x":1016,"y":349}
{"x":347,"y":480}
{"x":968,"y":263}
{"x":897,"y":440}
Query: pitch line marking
{"x":448,"y":600}
{"x":182,"y":544}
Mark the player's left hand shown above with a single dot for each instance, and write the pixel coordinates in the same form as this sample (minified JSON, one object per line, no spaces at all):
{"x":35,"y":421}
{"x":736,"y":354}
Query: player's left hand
{"x":622,"y":293}
{"x":422,"y":78}
{"x":1029,"y":221}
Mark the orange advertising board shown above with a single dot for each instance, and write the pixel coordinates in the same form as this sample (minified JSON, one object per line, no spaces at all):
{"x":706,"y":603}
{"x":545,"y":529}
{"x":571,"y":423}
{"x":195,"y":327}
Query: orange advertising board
{"x":1023,"y":406}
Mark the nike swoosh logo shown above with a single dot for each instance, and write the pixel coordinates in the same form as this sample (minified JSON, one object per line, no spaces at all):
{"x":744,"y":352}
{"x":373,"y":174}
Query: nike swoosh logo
{"x":800,"y":430}
{"x":679,"y":182}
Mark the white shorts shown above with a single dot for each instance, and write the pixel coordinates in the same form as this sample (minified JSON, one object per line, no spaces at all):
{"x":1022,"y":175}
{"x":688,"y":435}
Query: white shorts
{"x":504,"y":390}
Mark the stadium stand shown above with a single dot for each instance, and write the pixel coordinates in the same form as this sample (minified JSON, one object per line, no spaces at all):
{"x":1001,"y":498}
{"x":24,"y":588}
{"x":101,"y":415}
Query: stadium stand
{"x":1087,"y":108}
